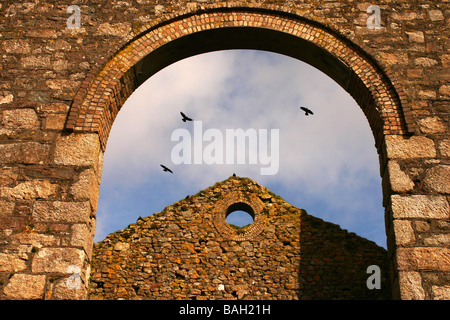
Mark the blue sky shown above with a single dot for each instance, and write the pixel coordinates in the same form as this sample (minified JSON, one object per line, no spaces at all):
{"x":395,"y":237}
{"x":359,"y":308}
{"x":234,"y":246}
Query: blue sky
{"x":328,"y":162}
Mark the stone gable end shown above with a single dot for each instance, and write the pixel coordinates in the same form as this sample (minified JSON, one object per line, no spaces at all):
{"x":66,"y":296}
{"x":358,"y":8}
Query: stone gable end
{"x":189,"y":251}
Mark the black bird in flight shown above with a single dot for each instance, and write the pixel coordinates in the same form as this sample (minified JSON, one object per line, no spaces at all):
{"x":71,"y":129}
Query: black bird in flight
{"x":166,"y":169}
{"x":307,"y":111}
{"x":185,"y":118}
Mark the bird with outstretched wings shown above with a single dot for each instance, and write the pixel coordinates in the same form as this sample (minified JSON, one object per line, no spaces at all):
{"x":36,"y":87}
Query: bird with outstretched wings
{"x":307,"y":111}
{"x":185,"y":118}
{"x":166,"y":169}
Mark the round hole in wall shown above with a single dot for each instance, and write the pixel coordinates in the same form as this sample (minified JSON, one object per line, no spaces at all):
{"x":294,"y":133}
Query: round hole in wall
{"x":240,"y":215}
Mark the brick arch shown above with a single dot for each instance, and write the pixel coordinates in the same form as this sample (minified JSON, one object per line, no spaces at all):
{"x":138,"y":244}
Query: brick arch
{"x":104,"y":91}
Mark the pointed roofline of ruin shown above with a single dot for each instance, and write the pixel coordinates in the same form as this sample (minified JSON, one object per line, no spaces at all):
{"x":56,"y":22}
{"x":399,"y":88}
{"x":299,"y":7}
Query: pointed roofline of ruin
{"x":240,"y":184}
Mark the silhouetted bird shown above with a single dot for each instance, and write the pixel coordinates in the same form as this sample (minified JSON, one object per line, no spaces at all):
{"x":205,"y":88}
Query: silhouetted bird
{"x":307,"y":111}
{"x":234,"y":174}
{"x":185,"y":118}
{"x":166,"y":169}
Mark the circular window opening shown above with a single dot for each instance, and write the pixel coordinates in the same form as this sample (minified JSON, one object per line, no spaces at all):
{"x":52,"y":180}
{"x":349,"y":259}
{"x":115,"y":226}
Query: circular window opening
{"x":240,"y":215}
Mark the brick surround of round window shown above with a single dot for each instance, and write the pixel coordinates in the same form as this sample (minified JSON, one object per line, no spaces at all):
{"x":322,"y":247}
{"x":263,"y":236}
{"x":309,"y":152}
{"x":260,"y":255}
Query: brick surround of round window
{"x":238,"y":201}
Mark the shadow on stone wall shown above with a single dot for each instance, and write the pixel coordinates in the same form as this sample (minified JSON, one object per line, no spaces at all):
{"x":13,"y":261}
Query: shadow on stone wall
{"x":334,"y":263}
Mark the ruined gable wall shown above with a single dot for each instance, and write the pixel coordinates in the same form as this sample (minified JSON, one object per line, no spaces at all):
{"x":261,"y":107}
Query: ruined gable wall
{"x":185,"y":252}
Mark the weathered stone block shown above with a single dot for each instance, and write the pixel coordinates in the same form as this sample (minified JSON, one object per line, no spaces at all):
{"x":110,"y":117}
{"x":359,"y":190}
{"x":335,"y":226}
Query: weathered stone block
{"x":400,"y":58}
{"x":81,"y":236}
{"x":415,"y":147}
{"x":444,"y":147}
{"x":8,"y":175}
{"x":56,"y":260}
{"x":53,"y":108}
{"x":20,"y":119}
{"x":416,"y":36}
{"x":436,"y":15}
{"x":425,"y":62}
{"x":407,"y":15}
{"x":438,"y":179}
{"x":6,"y":97}
{"x":445,"y":59}
{"x":444,"y":91}
{"x":57,"y":211}
{"x":63,"y":85}
{"x":121,"y":246}
{"x":58,"y":44}
{"x":426,"y":94}
{"x":424,"y":258}
{"x":420,"y":206}
{"x":36,"y":62}
{"x":25,"y":286}
{"x":411,"y":286}
{"x":11,"y":262}
{"x":404,"y":233}
{"x":60,"y":65}
{"x":436,"y":240}
{"x":55,"y":121}
{"x":6,"y":207}
{"x":18,"y":46}
{"x":61,"y":291}
{"x":39,"y":172}
{"x":42,"y":33}
{"x":86,"y":188}
{"x":441,"y":292}
{"x":24,"y":152}
{"x":400,"y":181}
{"x":116,"y":29}
{"x":36,"y":240}
{"x":30,"y":190}
{"x":77,"y":149}
{"x":432,"y":125}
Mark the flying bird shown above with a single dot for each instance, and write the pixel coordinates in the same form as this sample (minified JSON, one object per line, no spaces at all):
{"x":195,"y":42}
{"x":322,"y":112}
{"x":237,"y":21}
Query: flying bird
{"x":307,"y":111}
{"x":166,"y":169}
{"x":185,"y":118}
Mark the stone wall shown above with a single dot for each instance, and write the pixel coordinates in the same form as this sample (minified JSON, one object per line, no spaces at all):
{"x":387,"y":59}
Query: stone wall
{"x":61,"y":89}
{"x":189,"y":251}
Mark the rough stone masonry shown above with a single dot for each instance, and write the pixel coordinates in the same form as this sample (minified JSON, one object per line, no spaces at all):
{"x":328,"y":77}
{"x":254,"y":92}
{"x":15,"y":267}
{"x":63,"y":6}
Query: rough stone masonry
{"x":61,"y":89}
{"x":189,"y":251}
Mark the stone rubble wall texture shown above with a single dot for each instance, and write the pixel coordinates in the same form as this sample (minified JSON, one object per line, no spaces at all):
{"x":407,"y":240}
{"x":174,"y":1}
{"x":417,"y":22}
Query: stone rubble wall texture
{"x":61,"y":89}
{"x":189,"y":251}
